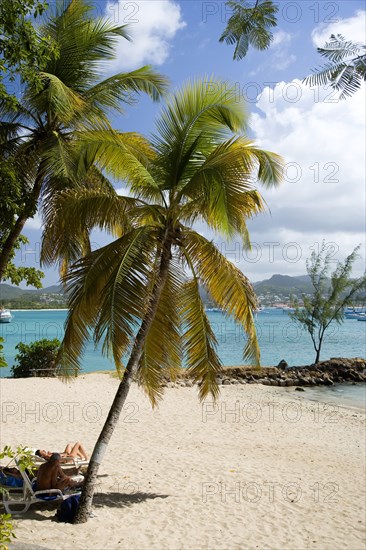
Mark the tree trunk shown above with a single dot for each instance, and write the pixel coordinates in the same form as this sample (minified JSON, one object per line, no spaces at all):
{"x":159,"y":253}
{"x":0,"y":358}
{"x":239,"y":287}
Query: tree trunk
{"x":28,"y":211}
{"x":114,"y":413}
{"x":317,"y":356}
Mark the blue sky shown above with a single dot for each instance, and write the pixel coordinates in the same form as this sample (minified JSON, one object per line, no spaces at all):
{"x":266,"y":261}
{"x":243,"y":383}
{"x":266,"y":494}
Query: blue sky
{"x":321,"y":138}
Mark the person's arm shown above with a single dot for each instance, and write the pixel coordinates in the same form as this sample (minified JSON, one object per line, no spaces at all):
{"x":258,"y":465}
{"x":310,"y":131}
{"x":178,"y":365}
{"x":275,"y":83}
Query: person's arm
{"x":61,"y":474}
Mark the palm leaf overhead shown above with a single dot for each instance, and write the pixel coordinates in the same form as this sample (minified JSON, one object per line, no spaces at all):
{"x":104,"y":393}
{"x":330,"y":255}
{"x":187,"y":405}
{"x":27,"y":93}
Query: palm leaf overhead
{"x":346,"y":69}
{"x":250,"y":25}
{"x":198,"y":167}
{"x":50,"y":125}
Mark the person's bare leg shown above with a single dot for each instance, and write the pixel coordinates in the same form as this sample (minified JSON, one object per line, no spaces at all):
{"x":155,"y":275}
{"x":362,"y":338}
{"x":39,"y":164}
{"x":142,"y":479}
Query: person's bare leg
{"x":82,"y":452}
{"x":68,"y":449}
{"x":78,"y":451}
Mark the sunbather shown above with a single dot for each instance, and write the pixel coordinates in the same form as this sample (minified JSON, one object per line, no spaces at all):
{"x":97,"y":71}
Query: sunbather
{"x":71,"y":451}
{"x":51,"y":476}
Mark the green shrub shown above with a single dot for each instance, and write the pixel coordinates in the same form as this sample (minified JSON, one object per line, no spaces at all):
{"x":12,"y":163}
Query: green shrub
{"x":2,"y":358}
{"x":36,"y":359}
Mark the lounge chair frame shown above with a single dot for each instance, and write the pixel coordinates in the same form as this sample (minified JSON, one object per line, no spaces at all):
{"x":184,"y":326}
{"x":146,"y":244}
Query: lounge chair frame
{"x":28,"y":495}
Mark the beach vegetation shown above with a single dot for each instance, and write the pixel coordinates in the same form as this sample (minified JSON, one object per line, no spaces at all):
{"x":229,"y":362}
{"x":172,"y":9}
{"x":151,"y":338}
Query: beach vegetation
{"x":3,"y":363}
{"x":42,"y":131}
{"x":140,"y":294}
{"x":346,"y":67}
{"x":36,"y":359}
{"x":13,"y":197}
{"x":329,"y":297}
{"x":23,"y":51}
{"x":7,"y":534}
{"x":249,"y":25}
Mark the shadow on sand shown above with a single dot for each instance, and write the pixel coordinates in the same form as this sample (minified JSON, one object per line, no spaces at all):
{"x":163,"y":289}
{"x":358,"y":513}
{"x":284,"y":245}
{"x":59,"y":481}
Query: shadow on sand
{"x":100,"y":500}
{"x":122,"y":500}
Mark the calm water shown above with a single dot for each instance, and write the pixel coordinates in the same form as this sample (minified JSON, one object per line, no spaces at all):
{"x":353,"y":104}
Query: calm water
{"x":279,"y":338}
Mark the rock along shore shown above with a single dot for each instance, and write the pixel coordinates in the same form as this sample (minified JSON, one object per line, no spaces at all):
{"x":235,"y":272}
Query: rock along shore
{"x":326,"y":373}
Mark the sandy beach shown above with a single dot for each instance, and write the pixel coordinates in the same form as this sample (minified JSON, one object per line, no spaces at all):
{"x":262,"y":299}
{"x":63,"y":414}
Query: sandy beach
{"x":264,"y":469}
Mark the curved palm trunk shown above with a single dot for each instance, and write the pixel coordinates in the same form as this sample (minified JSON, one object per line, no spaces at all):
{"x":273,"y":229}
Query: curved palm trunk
{"x":14,"y":234}
{"x":123,"y":389}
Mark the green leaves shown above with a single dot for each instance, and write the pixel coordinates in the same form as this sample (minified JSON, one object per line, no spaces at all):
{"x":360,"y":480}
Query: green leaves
{"x":107,"y":292}
{"x":346,"y":70}
{"x":196,"y":168}
{"x":22,"y":50}
{"x":227,"y":285}
{"x":330,"y":296}
{"x":250,"y":25}
{"x":3,"y":363}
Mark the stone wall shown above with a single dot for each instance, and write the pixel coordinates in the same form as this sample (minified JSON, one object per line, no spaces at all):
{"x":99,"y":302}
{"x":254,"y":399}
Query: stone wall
{"x":325,"y":373}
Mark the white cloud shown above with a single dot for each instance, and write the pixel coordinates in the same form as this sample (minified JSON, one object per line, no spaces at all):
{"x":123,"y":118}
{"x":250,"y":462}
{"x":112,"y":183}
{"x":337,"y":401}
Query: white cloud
{"x":281,"y":37}
{"x":33,"y":223}
{"x":353,"y":28}
{"x":323,"y":143}
{"x":281,"y":56}
{"x":153,"y":24}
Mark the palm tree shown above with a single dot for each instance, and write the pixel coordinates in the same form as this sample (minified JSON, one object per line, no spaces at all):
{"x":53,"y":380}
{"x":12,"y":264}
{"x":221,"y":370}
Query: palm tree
{"x":140,"y":293}
{"x":41,"y":131}
{"x":347,"y":67}
{"x":250,"y":26}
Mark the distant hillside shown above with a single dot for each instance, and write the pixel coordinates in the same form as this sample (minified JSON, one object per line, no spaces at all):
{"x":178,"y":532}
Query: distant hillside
{"x":284,"y":285}
{"x":10,"y":292}
{"x":49,"y":297}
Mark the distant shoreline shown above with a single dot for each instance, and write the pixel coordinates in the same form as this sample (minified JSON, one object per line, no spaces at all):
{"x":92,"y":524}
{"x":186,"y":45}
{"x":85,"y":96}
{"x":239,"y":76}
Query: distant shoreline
{"x":43,"y":309}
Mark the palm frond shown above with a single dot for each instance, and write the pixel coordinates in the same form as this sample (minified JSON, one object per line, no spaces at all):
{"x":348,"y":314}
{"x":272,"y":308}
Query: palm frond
{"x":221,"y":189}
{"x":106,"y":291}
{"x":122,"y":88}
{"x":74,"y":213}
{"x":199,"y":341}
{"x":346,"y":70}
{"x":250,"y":25}
{"x":227,"y":285}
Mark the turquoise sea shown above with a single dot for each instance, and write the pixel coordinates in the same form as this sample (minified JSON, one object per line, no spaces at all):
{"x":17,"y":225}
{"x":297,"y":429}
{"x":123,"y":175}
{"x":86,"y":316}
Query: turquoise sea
{"x":279,"y":338}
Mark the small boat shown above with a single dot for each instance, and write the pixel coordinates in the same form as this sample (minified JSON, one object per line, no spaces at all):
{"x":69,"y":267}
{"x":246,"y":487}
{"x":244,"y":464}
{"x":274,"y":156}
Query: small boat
{"x":361,"y":317}
{"x":5,"y":316}
{"x":353,"y":312}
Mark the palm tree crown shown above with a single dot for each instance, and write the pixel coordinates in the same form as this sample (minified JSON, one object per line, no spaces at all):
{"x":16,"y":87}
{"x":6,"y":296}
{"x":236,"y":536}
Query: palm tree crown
{"x":198,"y":167}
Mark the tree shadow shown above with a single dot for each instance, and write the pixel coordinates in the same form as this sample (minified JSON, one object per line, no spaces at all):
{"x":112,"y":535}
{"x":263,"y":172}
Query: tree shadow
{"x":110,"y":500}
{"x":123,"y":500}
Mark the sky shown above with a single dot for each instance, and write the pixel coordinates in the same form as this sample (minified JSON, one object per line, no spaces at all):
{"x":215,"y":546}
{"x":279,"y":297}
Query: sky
{"x":321,"y":138}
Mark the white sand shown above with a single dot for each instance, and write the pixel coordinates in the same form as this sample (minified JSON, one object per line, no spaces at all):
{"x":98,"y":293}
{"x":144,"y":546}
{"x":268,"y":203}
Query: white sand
{"x":182,"y":478}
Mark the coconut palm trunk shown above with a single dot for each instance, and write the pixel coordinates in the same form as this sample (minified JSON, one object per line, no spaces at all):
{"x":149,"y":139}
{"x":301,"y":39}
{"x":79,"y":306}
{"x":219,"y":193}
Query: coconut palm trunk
{"x":123,"y":389}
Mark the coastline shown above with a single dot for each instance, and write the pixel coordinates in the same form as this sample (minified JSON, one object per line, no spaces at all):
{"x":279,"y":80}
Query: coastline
{"x":43,"y":309}
{"x":188,"y":475}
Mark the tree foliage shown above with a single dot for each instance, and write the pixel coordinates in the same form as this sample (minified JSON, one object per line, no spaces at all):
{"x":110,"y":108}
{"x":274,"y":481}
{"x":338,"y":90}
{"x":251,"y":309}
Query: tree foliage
{"x":346,"y":69}
{"x":3,"y":363}
{"x":36,"y":359}
{"x":40,"y":133}
{"x":250,"y":25}
{"x":327,"y":303}
{"x":194,"y":169}
{"x":23,"y":52}
{"x":13,"y":198}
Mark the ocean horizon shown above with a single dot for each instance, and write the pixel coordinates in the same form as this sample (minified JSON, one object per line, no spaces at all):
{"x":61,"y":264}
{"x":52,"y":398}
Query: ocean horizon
{"x":279,"y":338}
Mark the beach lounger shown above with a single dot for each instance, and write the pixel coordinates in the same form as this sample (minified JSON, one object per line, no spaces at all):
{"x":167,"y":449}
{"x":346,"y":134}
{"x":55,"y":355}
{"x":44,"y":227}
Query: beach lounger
{"x":70,"y":461}
{"x":18,"y":500}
